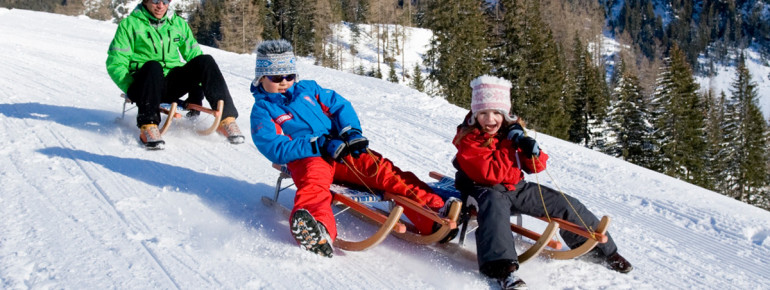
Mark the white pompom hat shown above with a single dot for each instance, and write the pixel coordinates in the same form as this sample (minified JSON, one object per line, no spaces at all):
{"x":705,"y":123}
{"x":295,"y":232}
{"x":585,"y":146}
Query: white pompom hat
{"x":493,"y":93}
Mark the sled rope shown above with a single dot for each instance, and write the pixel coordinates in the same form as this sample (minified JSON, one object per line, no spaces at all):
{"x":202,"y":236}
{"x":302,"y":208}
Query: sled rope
{"x":540,"y":191}
{"x":542,"y":199}
{"x":360,"y":174}
{"x":355,"y":170}
{"x":535,"y":162}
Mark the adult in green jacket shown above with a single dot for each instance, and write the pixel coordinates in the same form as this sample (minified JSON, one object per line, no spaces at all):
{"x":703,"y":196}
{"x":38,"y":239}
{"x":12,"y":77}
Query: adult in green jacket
{"x":154,"y":58}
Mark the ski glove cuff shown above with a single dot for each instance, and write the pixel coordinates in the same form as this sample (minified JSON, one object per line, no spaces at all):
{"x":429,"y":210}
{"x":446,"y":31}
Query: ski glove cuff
{"x":356,"y":143}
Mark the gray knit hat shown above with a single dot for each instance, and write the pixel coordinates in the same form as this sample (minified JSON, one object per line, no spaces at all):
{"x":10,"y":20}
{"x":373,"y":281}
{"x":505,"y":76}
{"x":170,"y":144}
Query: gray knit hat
{"x":274,"y":57}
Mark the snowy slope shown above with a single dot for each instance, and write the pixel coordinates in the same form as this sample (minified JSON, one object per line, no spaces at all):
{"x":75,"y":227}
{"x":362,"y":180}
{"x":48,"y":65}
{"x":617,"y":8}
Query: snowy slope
{"x":82,"y":205}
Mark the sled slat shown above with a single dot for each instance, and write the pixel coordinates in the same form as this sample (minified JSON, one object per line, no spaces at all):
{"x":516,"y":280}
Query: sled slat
{"x":367,"y":212}
{"x":413,"y":205}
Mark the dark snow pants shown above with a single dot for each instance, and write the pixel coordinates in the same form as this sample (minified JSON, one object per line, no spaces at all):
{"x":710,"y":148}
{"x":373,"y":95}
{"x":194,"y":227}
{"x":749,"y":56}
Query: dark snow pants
{"x":494,"y":240}
{"x":199,"y":77}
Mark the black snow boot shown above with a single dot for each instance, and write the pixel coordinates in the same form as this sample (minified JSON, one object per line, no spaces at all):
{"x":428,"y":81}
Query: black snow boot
{"x":310,"y":234}
{"x":614,"y":262}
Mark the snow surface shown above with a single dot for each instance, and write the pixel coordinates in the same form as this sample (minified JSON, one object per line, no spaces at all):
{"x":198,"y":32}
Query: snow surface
{"x":82,"y":205}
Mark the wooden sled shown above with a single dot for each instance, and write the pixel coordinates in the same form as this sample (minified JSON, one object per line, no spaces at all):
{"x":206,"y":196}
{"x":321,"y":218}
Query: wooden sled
{"x":176,"y":115}
{"x":361,"y":203}
{"x":544,"y":242}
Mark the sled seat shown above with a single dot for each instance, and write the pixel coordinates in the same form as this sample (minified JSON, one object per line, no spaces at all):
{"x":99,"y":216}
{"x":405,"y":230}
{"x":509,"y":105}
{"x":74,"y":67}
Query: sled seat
{"x":172,"y":111}
{"x":544,"y":242}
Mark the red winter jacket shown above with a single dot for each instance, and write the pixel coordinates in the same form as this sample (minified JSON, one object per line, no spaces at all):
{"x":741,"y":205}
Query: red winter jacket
{"x":498,"y":163}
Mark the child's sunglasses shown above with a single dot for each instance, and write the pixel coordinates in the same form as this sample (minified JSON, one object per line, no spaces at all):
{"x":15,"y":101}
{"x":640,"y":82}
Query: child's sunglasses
{"x":280,"y":78}
{"x":158,"y":1}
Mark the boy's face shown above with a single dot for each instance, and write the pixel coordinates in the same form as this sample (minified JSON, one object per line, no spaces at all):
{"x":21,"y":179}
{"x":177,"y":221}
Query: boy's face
{"x":277,"y":87}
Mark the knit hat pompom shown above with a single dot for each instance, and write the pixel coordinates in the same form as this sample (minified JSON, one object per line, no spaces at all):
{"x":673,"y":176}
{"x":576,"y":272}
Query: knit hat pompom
{"x":493,"y":93}
{"x":274,"y":57}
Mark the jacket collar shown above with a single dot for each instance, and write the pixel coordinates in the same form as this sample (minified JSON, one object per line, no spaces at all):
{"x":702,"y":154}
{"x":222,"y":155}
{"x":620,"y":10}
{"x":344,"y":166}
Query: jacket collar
{"x":260,"y":93}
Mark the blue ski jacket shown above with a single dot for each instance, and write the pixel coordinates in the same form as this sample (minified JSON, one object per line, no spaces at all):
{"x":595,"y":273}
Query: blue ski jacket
{"x":284,"y":126}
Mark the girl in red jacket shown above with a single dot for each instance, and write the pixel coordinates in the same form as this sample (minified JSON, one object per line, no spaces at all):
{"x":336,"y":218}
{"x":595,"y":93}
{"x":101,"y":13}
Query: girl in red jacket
{"x":493,"y":153}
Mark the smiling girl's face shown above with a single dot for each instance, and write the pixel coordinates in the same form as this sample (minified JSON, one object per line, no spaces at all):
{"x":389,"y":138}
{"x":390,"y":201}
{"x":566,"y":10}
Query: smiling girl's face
{"x":490,"y":120}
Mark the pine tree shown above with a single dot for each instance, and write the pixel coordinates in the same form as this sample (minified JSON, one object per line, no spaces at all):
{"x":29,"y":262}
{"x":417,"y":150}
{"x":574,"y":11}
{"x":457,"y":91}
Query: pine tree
{"x":631,"y":129}
{"x":536,"y":71}
{"x":205,"y":22}
{"x":716,"y":153}
{"x":392,"y":75}
{"x":679,"y":124}
{"x":303,"y":33}
{"x":589,"y":98}
{"x":747,"y":140}
{"x":418,"y":83}
{"x":241,"y":27}
{"x":459,"y":48}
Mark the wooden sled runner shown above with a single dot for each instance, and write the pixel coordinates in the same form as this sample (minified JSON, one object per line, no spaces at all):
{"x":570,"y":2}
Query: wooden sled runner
{"x":176,"y":115}
{"x":360,"y":203}
{"x":544,"y":243}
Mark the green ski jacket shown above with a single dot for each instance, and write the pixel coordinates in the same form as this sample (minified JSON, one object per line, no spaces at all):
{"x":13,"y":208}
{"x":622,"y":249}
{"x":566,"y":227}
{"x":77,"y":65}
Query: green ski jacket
{"x":141,"y":38}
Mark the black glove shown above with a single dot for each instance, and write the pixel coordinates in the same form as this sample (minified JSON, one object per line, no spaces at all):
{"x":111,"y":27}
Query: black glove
{"x":529,"y":146}
{"x":356,"y":142}
{"x":331,"y":147}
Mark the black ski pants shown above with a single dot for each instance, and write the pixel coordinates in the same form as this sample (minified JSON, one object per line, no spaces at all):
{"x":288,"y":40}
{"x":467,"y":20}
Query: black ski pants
{"x":494,"y":240}
{"x":199,"y":77}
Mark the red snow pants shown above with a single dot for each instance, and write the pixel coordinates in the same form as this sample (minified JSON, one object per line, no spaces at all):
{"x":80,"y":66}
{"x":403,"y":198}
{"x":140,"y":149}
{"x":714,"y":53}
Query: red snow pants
{"x":314,"y":175}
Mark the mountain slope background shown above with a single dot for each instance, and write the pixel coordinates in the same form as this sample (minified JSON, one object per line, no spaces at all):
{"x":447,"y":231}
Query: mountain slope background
{"x":82,"y":205}
{"x":607,"y":27}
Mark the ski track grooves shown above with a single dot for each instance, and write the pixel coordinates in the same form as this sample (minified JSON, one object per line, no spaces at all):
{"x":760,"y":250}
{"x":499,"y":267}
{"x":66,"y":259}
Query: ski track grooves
{"x":105,"y":198}
{"x":670,"y":228}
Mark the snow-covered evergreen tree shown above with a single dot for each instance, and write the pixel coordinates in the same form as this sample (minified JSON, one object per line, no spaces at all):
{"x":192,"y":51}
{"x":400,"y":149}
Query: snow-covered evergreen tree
{"x":716,"y":149}
{"x":589,"y":98}
{"x":747,"y":140}
{"x":458,"y":50}
{"x":630,"y":129}
{"x":679,"y":121}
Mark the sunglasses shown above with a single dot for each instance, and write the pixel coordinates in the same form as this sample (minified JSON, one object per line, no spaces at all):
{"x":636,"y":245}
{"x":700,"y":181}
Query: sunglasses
{"x":280,"y":78}
{"x":159,"y":1}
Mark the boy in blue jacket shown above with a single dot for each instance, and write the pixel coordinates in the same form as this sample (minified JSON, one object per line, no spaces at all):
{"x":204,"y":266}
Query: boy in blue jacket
{"x":317,"y":134}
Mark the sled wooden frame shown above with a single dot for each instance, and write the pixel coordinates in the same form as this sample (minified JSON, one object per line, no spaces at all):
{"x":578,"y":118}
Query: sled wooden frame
{"x":390,"y":224}
{"x":447,"y":224}
{"x":544,"y":242}
{"x":217,"y":114}
{"x":387,"y":224}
